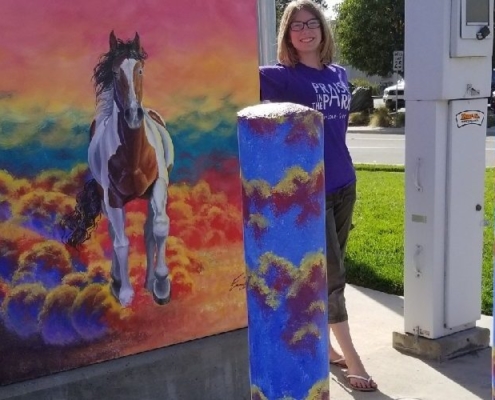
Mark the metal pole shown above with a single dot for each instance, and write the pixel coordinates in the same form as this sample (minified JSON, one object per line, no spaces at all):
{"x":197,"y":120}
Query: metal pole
{"x":267,"y":36}
{"x":396,"y":98}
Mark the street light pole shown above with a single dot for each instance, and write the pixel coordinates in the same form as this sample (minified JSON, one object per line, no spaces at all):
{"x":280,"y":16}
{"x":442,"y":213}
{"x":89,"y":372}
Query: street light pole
{"x":267,"y":37}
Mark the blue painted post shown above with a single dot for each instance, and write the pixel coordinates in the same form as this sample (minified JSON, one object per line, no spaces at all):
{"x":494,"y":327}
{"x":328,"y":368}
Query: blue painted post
{"x":281,"y":158}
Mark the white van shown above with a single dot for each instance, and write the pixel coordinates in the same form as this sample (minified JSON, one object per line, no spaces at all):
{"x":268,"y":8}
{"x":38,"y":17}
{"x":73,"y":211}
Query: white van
{"x":389,"y":95}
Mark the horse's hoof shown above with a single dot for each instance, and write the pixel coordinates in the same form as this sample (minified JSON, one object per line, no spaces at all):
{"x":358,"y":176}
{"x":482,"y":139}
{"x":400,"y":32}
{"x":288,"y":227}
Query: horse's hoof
{"x":125,"y":297}
{"x":161,"y":302}
{"x":162,"y":297}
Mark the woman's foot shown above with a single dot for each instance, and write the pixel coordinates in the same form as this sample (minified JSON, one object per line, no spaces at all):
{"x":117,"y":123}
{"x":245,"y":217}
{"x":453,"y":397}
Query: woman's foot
{"x":359,"y":379}
{"x":361,"y":383}
{"x":356,"y":374}
{"x":336,"y":358}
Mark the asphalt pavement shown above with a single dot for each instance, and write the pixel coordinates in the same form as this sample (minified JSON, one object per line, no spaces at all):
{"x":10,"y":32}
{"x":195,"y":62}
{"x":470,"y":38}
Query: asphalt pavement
{"x":387,"y":145}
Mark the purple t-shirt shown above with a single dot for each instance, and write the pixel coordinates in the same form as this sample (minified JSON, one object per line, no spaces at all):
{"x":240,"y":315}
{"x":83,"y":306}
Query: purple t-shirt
{"x":326,"y":91}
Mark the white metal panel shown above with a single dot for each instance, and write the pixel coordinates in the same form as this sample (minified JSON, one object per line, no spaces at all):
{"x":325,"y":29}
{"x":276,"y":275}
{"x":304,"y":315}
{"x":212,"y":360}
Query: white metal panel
{"x":432,"y":72}
{"x":463,"y":42}
{"x":426,"y":148}
{"x":464,"y":205}
{"x":427,"y":32}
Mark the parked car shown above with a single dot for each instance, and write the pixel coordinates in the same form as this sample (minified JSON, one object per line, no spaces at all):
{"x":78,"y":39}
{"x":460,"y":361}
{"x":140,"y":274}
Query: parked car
{"x":491,"y":99}
{"x":389,"y":95}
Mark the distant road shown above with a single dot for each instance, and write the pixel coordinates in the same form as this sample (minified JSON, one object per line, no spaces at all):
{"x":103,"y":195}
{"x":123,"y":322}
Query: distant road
{"x":368,"y":148}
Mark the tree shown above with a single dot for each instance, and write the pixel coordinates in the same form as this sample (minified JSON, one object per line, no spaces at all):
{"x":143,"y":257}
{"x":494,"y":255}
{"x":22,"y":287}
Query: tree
{"x":281,"y":4}
{"x":368,"y":32}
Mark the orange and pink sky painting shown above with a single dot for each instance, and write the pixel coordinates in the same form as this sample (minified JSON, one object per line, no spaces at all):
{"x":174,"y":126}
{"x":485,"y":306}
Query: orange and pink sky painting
{"x":48,"y":50}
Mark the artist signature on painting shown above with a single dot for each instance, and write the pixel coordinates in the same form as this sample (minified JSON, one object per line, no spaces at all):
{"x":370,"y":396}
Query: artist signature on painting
{"x":239,"y":283}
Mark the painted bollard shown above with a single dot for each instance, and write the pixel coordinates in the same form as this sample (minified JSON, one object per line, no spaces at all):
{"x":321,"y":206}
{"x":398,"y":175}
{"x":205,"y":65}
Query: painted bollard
{"x":281,"y":159}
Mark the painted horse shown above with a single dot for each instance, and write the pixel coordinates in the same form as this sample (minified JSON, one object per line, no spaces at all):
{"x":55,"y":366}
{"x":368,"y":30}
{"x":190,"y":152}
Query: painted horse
{"x":130,"y":156}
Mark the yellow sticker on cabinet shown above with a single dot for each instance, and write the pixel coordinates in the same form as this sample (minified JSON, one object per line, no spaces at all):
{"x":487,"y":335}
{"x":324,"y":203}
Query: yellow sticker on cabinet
{"x":469,"y":117}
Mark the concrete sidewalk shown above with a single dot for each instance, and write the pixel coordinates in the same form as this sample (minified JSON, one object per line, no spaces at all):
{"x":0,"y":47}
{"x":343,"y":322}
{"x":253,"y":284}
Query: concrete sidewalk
{"x":373,"y":318}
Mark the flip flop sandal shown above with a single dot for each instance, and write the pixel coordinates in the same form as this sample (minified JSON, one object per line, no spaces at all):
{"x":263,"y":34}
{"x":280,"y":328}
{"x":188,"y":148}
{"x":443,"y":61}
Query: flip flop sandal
{"x":340,"y":362}
{"x":361,"y":378}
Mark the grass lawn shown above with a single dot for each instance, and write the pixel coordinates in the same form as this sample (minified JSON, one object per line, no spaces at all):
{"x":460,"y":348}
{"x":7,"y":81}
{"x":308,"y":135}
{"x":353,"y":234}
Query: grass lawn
{"x":375,"y":251}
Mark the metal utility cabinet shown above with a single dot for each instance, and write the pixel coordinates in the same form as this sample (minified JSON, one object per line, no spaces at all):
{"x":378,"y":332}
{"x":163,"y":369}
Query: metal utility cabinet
{"x":448,"y":50}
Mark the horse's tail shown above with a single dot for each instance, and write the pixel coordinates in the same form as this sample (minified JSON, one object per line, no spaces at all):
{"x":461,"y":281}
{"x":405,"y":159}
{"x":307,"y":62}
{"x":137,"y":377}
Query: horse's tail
{"x":83,"y":220}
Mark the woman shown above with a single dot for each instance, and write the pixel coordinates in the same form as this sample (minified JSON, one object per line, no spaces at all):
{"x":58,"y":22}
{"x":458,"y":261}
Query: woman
{"x":305,"y":75}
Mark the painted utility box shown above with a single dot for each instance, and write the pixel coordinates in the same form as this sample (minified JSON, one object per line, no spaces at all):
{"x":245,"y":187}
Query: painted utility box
{"x":148,"y":91}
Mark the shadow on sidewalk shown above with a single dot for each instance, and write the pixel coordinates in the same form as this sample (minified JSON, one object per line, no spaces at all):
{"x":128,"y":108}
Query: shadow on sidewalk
{"x":471,"y":371}
{"x":362,"y":275}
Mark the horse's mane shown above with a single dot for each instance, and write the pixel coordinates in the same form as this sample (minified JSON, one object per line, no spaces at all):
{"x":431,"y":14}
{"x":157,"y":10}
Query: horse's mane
{"x":102,"y":72}
{"x":104,"y":103}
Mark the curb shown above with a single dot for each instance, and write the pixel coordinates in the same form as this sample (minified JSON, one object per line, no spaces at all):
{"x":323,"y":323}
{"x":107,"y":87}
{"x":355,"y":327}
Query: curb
{"x":369,"y":129}
{"x":394,"y":131}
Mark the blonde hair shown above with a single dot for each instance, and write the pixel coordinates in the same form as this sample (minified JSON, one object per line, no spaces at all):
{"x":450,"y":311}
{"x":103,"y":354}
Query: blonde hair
{"x":286,"y":53}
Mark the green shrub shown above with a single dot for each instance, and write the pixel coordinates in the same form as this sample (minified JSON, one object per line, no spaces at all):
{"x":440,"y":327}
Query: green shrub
{"x":490,"y":121}
{"x":381,"y":118}
{"x":359,"y":119}
{"x":400,"y":120}
{"x":375,"y":88}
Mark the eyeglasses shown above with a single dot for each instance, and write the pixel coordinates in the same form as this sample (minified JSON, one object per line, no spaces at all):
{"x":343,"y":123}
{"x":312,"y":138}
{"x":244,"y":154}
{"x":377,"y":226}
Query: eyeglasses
{"x":297,"y":26}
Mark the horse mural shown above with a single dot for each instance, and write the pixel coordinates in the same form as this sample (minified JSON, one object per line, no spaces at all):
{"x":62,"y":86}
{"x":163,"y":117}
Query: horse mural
{"x":130,"y":156}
